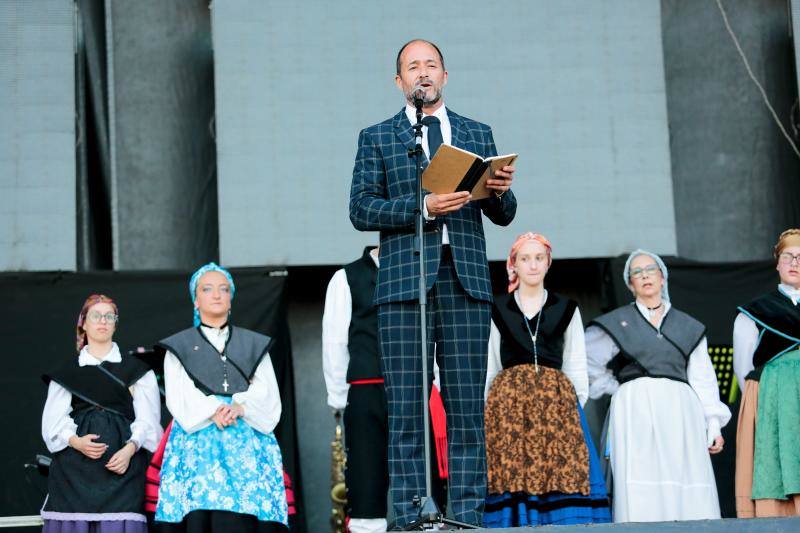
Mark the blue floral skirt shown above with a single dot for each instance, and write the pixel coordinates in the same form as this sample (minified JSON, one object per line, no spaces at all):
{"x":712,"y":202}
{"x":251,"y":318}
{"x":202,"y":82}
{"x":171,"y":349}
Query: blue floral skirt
{"x":520,"y":509}
{"x":237,"y":469}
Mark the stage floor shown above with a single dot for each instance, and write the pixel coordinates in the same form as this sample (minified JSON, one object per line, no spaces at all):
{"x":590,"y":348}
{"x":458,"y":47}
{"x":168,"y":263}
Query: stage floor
{"x":728,"y":525}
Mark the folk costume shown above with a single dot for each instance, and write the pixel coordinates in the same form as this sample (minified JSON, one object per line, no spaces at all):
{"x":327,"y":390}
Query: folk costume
{"x":352,"y":366}
{"x":541,"y":462}
{"x":665,"y":409}
{"x":116,"y":398}
{"x":229,"y":479}
{"x":766,"y":337}
{"x":351,"y":361}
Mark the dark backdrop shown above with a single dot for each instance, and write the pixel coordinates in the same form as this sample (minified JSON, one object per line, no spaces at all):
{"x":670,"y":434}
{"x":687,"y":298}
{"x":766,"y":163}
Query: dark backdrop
{"x":38,"y":328}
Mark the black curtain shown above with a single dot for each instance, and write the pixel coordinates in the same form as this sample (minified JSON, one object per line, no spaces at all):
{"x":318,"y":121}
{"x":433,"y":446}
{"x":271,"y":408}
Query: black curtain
{"x":39,"y":332}
{"x":93,"y":149}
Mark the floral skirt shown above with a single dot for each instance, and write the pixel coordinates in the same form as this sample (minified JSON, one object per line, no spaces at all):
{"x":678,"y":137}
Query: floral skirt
{"x":237,"y":469}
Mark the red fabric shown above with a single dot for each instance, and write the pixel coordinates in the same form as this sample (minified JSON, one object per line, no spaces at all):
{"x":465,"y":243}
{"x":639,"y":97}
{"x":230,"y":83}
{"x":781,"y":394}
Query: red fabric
{"x":153,"y":479}
{"x":287,"y":482}
{"x":368,"y":381}
{"x":153,"y":475}
{"x":439,"y":423}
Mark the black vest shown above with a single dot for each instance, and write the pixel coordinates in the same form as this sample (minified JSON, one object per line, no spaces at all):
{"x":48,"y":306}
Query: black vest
{"x":516,"y":346}
{"x":104,"y":386}
{"x":778,"y":322}
{"x":362,"y":338}
{"x":243,"y":352}
{"x":643,"y":351}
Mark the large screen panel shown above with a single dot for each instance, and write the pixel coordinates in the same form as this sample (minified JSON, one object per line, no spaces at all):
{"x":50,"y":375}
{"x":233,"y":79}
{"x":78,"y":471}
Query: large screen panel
{"x":37,"y":136}
{"x":575,"y":87}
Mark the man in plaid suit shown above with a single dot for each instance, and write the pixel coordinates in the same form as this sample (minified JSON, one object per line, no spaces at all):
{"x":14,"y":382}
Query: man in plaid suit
{"x":382,"y":198}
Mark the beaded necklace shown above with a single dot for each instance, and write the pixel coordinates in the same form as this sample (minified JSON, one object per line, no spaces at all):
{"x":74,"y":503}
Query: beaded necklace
{"x":535,"y":334}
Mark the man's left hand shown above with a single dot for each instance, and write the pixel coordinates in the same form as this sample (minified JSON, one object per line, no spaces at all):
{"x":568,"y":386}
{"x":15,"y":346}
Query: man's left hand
{"x":502,"y":180}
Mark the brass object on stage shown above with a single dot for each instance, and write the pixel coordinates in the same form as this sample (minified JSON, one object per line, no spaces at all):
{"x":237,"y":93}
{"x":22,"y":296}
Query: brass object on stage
{"x":338,"y":489}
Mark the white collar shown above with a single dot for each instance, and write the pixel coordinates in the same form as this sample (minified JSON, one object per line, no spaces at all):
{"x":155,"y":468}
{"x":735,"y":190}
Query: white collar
{"x":87,"y":359}
{"x":440,"y":113}
{"x":216,"y":332}
{"x":374,"y":255}
{"x":791,"y":292}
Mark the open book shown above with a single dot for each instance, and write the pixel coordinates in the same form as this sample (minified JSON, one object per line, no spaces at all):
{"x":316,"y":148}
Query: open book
{"x":456,"y":170}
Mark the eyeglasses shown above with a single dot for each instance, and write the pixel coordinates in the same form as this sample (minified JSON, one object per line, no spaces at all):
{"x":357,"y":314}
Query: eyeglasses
{"x":787,"y":259}
{"x":95,"y":318}
{"x":650,"y":270}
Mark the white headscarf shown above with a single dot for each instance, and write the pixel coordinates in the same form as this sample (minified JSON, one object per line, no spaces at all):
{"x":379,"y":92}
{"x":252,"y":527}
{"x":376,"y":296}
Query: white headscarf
{"x":626,"y":274}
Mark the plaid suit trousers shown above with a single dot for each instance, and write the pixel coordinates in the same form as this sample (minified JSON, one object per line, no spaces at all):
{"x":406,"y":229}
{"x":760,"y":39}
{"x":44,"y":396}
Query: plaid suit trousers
{"x":458,"y":325}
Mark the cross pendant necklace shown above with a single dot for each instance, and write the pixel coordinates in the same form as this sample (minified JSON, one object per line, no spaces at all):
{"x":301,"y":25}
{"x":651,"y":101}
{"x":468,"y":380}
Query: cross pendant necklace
{"x":225,"y":384}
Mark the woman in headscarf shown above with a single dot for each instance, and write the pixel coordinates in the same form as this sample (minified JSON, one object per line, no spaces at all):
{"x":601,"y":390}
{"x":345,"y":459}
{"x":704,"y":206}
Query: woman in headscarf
{"x":222,"y":468}
{"x":541,"y":463}
{"x":102,"y":412}
{"x":665,"y":415}
{"x":766,"y":360}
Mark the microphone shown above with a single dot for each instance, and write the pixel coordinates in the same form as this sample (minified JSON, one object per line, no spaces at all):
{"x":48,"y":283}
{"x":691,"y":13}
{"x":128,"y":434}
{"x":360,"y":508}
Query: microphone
{"x":418,"y":95}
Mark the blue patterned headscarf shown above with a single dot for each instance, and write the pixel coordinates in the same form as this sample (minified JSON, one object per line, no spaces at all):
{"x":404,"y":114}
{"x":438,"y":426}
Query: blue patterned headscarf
{"x":210,"y":267}
{"x":626,"y":274}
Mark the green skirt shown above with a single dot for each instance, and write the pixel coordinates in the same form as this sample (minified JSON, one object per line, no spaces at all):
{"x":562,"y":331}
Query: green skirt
{"x":776,"y":470}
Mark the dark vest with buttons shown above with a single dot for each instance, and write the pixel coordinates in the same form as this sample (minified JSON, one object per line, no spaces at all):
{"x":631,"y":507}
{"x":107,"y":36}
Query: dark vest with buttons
{"x":244,"y":351}
{"x":643,"y":351}
{"x":516,"y":345}
{"x":778,"y":322}
{"x":362,"y":337}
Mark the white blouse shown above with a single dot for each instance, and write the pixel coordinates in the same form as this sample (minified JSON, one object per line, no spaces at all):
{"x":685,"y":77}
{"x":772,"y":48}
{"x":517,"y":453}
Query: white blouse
{"x":193,"y":409}
{"x":746,"y":337}
{"x":601,"y":349}
{"x":574,"y":357}
{"x":58,"y":426}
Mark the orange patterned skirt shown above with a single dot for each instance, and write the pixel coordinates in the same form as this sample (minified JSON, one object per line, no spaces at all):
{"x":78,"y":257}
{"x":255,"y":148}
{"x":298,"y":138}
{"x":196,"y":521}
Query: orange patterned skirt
{"x":534,"y":440}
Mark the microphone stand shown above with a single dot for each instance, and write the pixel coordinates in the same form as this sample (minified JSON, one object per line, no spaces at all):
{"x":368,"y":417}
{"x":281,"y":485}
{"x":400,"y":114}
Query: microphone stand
{"x":429,"y":513}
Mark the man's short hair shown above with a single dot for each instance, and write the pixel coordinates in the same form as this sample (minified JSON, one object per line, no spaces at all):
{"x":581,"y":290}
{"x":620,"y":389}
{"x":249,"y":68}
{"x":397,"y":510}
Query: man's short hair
{"x":441,"y":57}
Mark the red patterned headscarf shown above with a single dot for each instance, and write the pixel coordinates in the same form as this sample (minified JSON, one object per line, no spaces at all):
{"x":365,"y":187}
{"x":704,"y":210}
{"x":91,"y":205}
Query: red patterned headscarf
{"x":90,"y":301}
{"x":513,"y":280}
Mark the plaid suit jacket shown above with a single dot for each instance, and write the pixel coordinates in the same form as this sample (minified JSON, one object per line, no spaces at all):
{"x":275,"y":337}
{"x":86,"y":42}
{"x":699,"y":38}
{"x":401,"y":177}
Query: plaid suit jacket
{"x":382,"y":198}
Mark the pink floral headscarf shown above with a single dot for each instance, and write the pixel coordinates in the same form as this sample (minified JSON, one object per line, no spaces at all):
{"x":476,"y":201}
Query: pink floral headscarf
{"x":513,"y":280}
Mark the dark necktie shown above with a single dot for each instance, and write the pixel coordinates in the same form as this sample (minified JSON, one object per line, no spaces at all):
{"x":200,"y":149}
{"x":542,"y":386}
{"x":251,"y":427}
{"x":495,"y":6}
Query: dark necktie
{"x":434,"y":134}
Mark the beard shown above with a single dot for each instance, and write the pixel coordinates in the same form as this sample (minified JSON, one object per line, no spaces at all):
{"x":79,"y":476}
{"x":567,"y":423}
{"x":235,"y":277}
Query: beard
{"x":426,"y":100}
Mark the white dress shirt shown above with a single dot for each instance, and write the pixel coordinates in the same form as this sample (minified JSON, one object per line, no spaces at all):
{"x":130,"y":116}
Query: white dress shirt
{"x":746,"y":338}
{"x":58,"y":426}
{"x":193,"y":409}
{"x":447,"y":137}
{"x":601,"y":349}
{"x":574,"y":356}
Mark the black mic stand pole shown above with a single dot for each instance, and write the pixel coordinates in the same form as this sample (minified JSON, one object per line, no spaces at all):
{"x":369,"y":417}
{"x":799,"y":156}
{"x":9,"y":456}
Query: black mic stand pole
{"x":429,"y":513}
